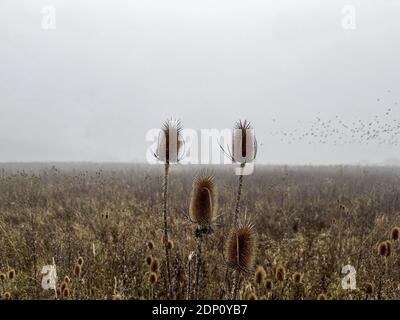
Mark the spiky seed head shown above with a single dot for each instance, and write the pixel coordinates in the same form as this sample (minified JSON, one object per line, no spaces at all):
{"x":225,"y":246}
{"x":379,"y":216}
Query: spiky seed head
{"x":67,"y":279}
{"x":260,"y":275}
{"x":388,"y":248}
{"x":2,"y":276}
{"x":240,"y":248}
{"x":280,"y":273}
{"x":170,"y":244}
{"x":203,"y":200}
{"x":244,"y":144}
{"x":155,"y":265}
{"x":252,"y":296}
{"x":382,"y":249}
{"x":296,"y":277}
{"x":11,"y":274}
{"x":63,"y":286}
{"x":395,"y":233}
{"x":79,"y":261}
{"x":149,"y":260}
{"x":65,"y":292}
{"x":7,"y":295}
{"x":153,"y":277}
{"x":77,"y":270}
{"x":269,"y":285}
{"x":150,"y":245}
{"x":369,"y":289}
{"x":322,"y":296}
{"x":170,"y":142}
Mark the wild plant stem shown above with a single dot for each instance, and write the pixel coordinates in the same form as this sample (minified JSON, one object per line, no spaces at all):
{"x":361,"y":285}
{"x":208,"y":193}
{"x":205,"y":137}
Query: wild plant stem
{"x":188,"y":294}
{"x":235,"y":287}
{"x":238,"y":196}
{"x":165,"y":213}
{"x":199,"y":262}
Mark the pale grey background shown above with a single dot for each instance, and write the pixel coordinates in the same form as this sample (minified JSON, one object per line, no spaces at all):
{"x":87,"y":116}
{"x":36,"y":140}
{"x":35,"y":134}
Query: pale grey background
{"x":89,"y":90}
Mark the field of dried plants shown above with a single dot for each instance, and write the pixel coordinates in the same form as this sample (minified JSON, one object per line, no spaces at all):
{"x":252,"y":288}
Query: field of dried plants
{"x":103,"y":227}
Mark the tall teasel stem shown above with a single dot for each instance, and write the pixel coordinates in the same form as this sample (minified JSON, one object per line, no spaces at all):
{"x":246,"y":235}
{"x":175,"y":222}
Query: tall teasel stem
{"x":238,"y":196}
{"x":199,"y":262}
{"x":244,"y":150}
{"x":170,"y":143}
{"x":236,"y":284}
{"x":165,"y":213}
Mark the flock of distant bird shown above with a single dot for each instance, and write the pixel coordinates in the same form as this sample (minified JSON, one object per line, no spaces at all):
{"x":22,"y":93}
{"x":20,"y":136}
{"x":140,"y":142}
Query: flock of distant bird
{"x":382,"y":129}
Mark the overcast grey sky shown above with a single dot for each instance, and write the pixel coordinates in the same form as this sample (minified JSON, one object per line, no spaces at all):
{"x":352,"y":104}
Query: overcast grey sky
{"x":90,"y":89}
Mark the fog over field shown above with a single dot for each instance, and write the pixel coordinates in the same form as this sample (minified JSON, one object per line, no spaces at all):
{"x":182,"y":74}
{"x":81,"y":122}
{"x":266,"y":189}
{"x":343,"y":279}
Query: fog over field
{"x":318,"y":80}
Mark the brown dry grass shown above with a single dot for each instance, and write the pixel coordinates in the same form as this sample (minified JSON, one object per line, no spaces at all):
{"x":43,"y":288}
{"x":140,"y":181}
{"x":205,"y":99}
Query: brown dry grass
{"x":308,"y":220}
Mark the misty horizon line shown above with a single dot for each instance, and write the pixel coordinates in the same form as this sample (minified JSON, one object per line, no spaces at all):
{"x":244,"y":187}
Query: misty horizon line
{"x":365,"y":163}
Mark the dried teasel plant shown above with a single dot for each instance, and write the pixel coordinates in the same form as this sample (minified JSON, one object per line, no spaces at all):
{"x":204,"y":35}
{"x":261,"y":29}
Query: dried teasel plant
{"x":384,"y":250}
{"x":244,"y":151}
{"x":395,"y":233}
{"x":240,"y":251}
{"x":152,"y":281}
{"x":169,"y":150}
{"x":244,"y":143}
{"x":170,"y":142}
{"x":259,"y":275}
{"x":203,"y":202}
{"x":154,"y":265}
{"x":202,"y":212}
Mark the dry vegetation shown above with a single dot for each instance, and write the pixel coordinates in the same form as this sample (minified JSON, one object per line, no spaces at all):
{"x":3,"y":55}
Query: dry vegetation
{"x":103,"y":225}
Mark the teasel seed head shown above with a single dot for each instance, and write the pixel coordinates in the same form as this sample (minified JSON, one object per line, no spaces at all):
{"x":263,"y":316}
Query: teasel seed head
{"x":252,"y":296}
{"x":67,"y":279}
{"x":79,"y":261}
{"x":65,"y":292}
{"x":203,"y":200}
{"x":7,"y":295}
{"x":244,"y":144}
{"x":240,"y":248}
{"x":382,"y":249}
{"x":170,"y":244}
{"x":77,"y":270}
{"x":269,"y":285}
{"x":149,"y":260}
{"x":150,"y":245}
{"x":260,"y":275}
{"x":153,"y":277}
{"x":63,"y":286}
{"x":280,"y":273}
{"x":322,"y":296}
{"x":395,"y":233}
{"x":388,"y":248}
{"x":170,"y":142}
{"x":155,"y":265}
{"x":296,"y":277}
{"x":369,"y":289}
{"x":11,"y":274}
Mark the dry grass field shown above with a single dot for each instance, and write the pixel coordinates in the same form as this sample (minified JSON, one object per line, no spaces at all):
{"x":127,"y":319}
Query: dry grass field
{"x":103,"y":226}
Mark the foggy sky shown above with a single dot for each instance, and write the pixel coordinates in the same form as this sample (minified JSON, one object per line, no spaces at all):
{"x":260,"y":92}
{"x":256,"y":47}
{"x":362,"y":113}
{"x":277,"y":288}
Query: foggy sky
{"x":111,"y":70}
